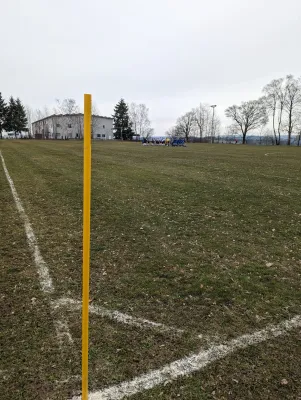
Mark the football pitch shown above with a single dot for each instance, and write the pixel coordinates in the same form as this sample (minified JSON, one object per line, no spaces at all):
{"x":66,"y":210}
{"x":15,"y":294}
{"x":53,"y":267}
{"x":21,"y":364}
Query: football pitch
{"x":195,"y":286}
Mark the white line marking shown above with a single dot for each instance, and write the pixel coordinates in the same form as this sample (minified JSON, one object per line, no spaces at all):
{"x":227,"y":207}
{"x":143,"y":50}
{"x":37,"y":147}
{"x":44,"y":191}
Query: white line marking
{"x":115,"y":315}
{"x":62,"y":332}
{"x":193,"y":363}
{"x":70,"y":379}
{"x":43,"y":272}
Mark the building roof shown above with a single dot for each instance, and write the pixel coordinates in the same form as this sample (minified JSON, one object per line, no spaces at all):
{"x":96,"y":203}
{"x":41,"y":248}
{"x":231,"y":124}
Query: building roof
{"x":69,"y":115}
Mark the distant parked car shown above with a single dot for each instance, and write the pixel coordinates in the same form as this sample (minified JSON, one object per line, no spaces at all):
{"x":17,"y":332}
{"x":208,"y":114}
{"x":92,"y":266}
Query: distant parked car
{"x":178,"y":142}
{"x":8,"y":135}
{"x":13,"y":135}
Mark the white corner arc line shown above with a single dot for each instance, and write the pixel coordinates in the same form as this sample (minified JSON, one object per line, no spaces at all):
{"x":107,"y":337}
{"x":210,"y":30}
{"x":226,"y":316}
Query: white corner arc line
{"x":42,"y":269}
{"x":76,"y":305}
{"x":62,"y":332}
{"x":193,"y":363}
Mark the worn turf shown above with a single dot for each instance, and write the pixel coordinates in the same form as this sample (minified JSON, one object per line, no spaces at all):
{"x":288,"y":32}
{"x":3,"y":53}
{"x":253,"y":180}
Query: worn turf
{"x":205,"y":238}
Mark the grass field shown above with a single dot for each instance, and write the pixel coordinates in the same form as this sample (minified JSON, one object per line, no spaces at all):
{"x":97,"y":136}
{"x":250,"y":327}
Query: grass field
{"x":204,"y":239}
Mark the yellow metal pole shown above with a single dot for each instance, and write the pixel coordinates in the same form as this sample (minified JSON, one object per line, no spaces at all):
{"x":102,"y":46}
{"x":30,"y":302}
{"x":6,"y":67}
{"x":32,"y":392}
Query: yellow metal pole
{"x":86,"y":243}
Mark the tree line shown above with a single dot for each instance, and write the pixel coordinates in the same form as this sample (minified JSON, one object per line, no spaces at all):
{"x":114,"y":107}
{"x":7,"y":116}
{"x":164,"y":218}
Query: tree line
{"x":281,"y":101}
{"x":12,"y":116}
{"x":275,"y":115}
{"x":280,"y":105}
{"x":200,"y":121}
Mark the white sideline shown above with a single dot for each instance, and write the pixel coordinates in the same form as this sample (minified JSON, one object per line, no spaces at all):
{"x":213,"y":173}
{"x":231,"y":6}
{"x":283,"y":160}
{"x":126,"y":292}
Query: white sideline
{"x":115,"y":315}
{"x":193,"y":363}
{"x":43,"y":272}
{"x":46,"y":284}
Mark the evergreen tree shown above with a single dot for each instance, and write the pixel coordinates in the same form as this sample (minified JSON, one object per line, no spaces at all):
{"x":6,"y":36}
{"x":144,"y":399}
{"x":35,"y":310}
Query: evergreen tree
{"x":122,"y":125}
{"x":10,"y":115}
{"x":20,"y":118}
{"x":3,"y":111}
{"x":16,"y":120}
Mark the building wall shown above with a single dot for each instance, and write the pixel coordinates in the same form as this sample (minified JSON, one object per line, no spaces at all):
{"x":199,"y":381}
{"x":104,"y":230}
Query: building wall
{"x":72,"y":127}
{"x":102,"y":128}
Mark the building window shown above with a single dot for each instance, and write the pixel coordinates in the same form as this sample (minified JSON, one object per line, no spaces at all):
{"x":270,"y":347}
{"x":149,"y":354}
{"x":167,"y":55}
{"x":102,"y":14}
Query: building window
{"x":98,"y":135}
{"x":69,"y":126}
{"x":58,"y":125}
{"x":104,"y":127}
{"x":103,"y":135}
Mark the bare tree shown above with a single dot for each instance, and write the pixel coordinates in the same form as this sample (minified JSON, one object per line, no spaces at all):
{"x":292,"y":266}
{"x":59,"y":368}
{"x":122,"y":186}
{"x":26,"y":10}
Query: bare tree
{"x":275,"y":99}
{"x":185,"y":125}
{"x":70,"y":108}
{"x":283,"y":99}
{"x":170,"y":132}
{"x":139,"y":118}
{"x":298,"y":128}
{"x":55,"y":125}
{"x":292,"y":104}
{"x":267,"y":136}
{"x":248,"y":116}
{"x":46,"y":111}
{"x":30,"y":116}
{"x":150,"y":133}
{"x":38,"y":113}
{"x":202,"y":119}
{"x":133,"y":114}
{"x":231,"y":133}
{"x":299,"y":138}
{"x":67,"y":106}
{"x":95,"y":109}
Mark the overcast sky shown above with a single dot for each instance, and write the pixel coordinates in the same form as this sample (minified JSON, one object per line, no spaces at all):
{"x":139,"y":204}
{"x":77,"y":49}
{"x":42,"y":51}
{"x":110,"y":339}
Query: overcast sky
{"x":168,"y":54}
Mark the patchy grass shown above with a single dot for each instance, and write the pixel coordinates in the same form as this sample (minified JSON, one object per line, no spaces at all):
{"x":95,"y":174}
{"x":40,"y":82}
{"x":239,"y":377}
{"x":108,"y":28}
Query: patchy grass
{"x":258,"y":372}
{"x":204,"y":238}
{"x":32,"y":365}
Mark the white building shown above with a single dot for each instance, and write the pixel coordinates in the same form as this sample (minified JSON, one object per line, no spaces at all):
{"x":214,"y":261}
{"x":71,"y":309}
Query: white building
{"x":71,"y":126}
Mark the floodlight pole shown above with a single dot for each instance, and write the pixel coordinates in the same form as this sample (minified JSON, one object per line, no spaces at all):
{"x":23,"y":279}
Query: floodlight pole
{"x":213,"y":108}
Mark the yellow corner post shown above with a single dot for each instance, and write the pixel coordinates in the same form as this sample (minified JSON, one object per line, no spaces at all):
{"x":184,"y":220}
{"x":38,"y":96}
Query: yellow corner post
{"x":86,"y":243}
